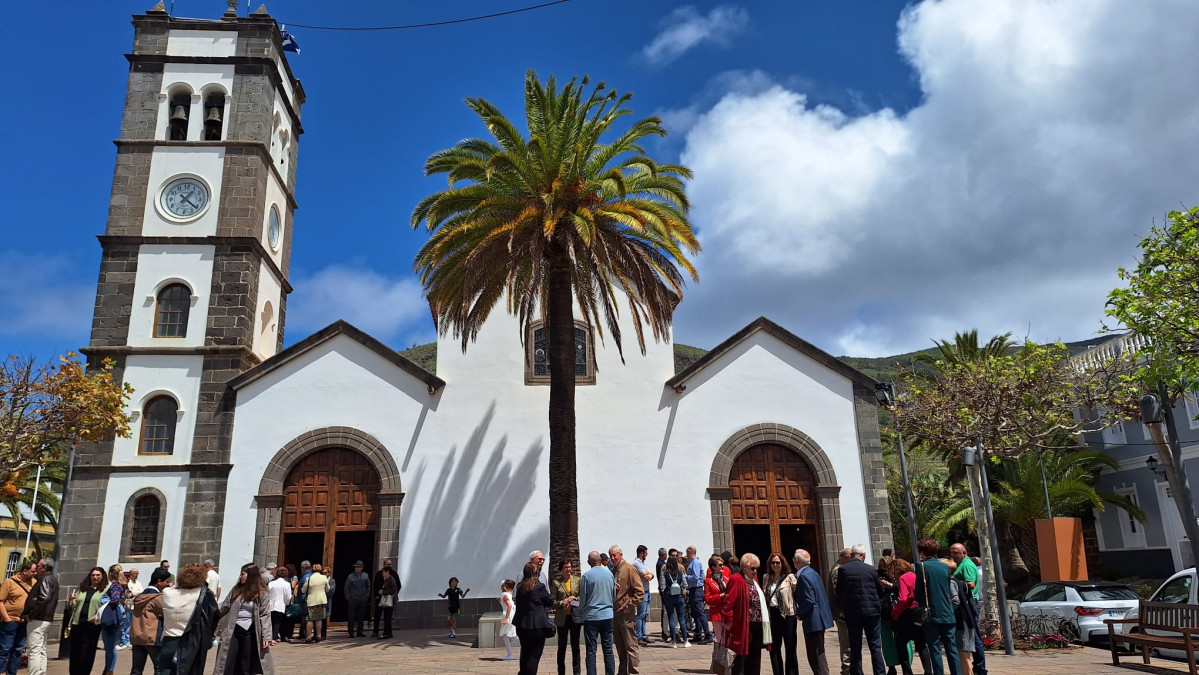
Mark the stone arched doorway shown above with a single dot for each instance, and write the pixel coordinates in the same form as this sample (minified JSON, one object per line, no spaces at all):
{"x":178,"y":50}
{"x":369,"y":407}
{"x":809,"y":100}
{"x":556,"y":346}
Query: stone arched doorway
{"x":336,"y":479}
{"x":818,"y":500}
{"x":773,"y":504}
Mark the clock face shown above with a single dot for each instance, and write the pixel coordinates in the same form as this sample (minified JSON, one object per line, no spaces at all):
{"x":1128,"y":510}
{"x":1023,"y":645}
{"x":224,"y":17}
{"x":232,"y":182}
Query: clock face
{"x":274,"y":229}
{"x":185,"y":198}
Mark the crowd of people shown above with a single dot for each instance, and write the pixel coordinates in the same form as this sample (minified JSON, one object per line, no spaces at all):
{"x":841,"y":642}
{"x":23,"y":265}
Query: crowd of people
{"x":904,"y":612}
{"x":170,"y":623}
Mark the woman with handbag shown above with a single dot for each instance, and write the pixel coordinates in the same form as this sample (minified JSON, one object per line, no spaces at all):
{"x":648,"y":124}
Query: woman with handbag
{"x":84,"y":620}
{"x":566,"y":590}
{"x":112,"y":617}
{"x":674,"y":583}
{"x":905,"y":619}
{"x":387,"y":594}
{"x":779,"y":585}
{"x":187,"y":616}
{"x":746,"y":618}
{"x":316,"y":590}
{"x":533,"y":623}
{"x":715,"y":586}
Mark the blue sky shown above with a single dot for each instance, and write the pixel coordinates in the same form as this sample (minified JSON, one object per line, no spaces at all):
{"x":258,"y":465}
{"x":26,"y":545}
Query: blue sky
{"x":870,"y":175}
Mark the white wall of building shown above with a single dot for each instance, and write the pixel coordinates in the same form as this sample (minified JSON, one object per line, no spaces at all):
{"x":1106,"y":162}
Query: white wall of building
{"x":159,"y":265}
{"x":168,"y":163}
{"x":122,"y":486}
{"x":202,"y":43}
{"x":339,"y":383}
{"x":150,"y":376}
{"x":474,"y":459}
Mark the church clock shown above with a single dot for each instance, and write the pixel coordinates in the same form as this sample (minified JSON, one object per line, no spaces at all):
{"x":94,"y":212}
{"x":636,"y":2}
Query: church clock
{"x":184,"y":198}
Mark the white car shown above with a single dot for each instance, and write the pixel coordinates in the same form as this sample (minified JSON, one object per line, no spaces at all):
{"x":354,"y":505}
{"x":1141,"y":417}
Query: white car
{"x":1077,"y":608}
{"x":1180,"y":588}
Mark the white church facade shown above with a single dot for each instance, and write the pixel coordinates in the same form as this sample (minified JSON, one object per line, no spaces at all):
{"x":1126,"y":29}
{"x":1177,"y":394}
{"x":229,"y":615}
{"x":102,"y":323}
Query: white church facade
{"x":338,"y":448}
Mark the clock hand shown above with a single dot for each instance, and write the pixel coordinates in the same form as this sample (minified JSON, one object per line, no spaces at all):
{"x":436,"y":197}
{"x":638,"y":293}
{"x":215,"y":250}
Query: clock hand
{"x":187,"y":201}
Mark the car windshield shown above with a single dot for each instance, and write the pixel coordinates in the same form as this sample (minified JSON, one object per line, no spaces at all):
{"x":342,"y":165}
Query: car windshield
{"x":1107,"y":593}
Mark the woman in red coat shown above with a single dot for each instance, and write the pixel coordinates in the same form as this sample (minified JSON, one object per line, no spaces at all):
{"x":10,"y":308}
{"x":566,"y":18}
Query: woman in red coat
{"x":715,"y":585}
{"x":744,"y":612}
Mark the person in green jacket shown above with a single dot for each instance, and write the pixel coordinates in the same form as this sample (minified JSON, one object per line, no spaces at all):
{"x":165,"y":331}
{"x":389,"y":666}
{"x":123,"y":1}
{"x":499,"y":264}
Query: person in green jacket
{"x":934,"y":592}
{"x":84,"y":610}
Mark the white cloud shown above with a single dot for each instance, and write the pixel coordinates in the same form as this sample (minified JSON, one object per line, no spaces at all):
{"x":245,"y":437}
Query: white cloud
{"x":1049,"y":136}
{"x":392,"y":310}
{"x":686,"y":27}
{"x":41,"y":299}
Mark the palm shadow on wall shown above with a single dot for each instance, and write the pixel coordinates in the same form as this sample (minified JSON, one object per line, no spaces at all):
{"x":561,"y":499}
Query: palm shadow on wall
{"x":469,"y":532}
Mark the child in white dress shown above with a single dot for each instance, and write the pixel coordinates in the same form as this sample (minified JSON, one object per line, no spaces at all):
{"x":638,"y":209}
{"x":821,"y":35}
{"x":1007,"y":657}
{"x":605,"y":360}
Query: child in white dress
{"x":507,"y":627}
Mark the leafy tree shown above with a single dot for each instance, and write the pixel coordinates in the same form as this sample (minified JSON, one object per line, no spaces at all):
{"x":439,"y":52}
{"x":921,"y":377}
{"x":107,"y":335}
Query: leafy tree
{"x":576,"y":213}
{"x":44,"y":409}
{"x":1012,"y":402}
{"x":1018,"y":495}
{"x":1161,"y":303}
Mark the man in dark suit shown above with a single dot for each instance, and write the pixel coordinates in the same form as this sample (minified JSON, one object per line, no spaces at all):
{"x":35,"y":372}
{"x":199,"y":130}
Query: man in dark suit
{"x":811,"y":607}
{"x":858,"y":593}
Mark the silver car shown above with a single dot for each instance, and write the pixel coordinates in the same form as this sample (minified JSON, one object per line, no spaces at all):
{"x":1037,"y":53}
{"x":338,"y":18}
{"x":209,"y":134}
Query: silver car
{"x":1077,"y":608}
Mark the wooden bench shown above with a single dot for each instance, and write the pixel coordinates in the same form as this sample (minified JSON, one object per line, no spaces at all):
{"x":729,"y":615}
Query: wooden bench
{"x":1163,"y":616}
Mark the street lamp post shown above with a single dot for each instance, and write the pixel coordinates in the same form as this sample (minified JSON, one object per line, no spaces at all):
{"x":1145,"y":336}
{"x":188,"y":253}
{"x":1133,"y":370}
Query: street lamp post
{"x":970,"y":457}
{"x":885,"y":392}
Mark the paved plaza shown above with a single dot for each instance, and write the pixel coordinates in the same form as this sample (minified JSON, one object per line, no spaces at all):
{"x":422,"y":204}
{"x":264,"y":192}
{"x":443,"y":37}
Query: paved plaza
{"x":429,"y":652}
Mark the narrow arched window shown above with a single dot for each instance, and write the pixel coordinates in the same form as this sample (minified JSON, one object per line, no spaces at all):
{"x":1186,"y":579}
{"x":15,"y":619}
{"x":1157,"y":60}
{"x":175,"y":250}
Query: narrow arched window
{"x":170,"y":318}
{"x":158,"y":426}
{"x":143,"y":539}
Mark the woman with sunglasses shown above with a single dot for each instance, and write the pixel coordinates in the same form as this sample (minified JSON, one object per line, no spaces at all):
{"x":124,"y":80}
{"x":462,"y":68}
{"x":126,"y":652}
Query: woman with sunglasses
{"x":779,"y":584}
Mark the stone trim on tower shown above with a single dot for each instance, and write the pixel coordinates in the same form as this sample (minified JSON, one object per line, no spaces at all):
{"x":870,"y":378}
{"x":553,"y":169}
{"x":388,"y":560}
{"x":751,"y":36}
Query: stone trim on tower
{"x":874,"y":478}
{"x":269,"y":499}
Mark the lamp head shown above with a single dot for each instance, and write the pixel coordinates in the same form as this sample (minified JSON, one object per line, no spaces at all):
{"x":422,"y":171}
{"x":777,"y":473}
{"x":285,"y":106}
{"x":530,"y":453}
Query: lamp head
{"x":1151,"y":462}
{"x":1151,"y":409}
{"x":885,"y":393}
{"x":968,"y":455}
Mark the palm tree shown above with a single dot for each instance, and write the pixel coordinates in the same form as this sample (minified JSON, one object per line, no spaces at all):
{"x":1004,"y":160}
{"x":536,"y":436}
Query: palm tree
{"x":1018,"y":498}
{"x":575,"y":212}
{"x":17,"y":491}
{"x":965,"y":349}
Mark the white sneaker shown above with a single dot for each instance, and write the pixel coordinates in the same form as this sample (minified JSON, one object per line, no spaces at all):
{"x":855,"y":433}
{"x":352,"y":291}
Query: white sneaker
{"x":686,"y":644}
{"x":674,"y":645}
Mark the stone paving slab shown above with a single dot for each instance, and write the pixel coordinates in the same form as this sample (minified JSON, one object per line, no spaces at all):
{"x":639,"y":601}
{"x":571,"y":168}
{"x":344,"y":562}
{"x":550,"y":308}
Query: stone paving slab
{"x":428,"y":652}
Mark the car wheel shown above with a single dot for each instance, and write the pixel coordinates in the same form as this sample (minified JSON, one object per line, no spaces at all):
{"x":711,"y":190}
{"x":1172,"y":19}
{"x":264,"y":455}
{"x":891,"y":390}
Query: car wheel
{"x":1069,"y":630}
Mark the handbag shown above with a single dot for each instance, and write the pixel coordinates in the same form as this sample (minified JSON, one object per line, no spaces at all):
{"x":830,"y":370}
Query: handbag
{"x":294,"y":610}
{"x":387,"y":600}
{"x":924,"y":614}
{"x":110,"y":616}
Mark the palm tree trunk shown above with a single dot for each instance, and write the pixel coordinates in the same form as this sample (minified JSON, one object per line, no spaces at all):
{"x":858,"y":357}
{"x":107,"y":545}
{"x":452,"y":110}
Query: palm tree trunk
{"x":560,"y":343}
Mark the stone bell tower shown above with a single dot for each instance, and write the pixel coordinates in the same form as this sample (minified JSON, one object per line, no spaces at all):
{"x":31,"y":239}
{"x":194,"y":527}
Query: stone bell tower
{"x":193,"y":281}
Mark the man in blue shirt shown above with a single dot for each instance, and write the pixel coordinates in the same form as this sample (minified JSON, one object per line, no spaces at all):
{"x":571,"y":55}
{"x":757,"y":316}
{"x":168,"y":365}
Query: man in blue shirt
{"x":646,"y":576}
{"x":695,"y":596}
{"x":597,"y":594}
{"x":301,"y":597}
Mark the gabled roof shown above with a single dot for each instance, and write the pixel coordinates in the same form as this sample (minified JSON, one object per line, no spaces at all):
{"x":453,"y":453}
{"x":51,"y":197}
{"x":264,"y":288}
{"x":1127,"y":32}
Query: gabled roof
{"x":326,"y":334}
{"x":792,"y":340}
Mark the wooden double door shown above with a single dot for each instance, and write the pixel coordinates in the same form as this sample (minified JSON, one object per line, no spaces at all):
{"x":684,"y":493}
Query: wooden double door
{"x":331,"y":513}
{"x":773,"y":504}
